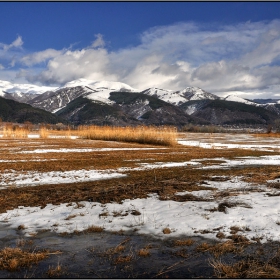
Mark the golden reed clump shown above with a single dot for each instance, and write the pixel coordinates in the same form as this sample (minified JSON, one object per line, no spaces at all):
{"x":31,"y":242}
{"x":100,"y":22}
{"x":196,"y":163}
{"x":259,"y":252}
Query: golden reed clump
{"x":140,"y":134}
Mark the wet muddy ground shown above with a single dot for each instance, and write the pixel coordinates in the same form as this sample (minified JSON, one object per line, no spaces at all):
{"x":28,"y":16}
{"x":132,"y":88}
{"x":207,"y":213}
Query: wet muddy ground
{"x":129,"y":255}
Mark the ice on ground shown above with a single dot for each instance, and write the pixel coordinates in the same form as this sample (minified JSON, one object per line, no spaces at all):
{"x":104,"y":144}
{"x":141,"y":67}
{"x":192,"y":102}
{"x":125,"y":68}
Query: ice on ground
{"x":262,"y":160}
{"x":256,"y":214}
{"x":262,"y":147}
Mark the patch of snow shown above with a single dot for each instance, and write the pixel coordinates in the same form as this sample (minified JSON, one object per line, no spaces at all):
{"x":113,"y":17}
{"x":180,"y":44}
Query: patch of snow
{"x":30,"y":178}
{"x":236,"y":98}
{"x":260,"y":215}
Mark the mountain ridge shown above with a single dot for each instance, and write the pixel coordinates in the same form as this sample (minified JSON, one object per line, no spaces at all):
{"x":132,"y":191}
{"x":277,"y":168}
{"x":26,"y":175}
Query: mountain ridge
{"x":115,"y":103}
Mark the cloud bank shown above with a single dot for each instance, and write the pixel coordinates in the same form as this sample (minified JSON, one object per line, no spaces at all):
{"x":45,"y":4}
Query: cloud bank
{"x":239,"y":59}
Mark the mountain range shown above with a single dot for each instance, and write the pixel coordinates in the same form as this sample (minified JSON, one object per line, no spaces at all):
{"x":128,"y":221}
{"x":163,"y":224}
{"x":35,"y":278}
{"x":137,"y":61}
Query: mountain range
{"x":85,"y":101}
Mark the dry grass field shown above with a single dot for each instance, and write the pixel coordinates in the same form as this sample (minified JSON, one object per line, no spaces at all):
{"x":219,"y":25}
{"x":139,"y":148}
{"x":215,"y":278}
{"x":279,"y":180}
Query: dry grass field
{"x":84,"y":175}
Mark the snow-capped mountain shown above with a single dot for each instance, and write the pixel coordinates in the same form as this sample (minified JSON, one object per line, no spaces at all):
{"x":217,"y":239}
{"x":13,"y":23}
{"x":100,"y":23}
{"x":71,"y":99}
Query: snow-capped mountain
{"x":53,"y":101}
{"x":22,"y":92}
{"x":196,"y":93}
{"x":85,"y":101}
{"x":102,"y":89}
{"x":97,"y":91}
{"x":180,"y":97}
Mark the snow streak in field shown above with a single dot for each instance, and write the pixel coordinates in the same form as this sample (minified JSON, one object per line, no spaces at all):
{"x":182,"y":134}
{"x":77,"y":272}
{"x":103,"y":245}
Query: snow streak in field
{"x":54,"y":177}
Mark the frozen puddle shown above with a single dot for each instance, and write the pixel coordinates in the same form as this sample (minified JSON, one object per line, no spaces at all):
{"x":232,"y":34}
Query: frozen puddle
{"x":207,"y":145}
{"x":256,"y":212}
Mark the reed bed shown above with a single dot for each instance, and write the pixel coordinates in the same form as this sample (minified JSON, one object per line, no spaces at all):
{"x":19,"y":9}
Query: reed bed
{"x":44,"y":133}
{"x":164,"y":135}
{"x":15,"y":132}
{"x":140,"y":134}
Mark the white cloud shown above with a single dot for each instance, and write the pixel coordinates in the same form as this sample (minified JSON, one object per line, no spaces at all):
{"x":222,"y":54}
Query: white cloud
{"x":70,"y":65}
{"x":99,"y":42}
{"x":38,"y":57}
{"x":17,"y":43}
{"x":220,"y":59}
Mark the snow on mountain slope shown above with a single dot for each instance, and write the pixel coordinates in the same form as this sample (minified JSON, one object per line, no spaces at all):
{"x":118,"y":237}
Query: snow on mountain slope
{"x":101,"y":95}
{"x":240,"y":99}
{"x":100,"y":85}
{"x":100,"y":90}
{"x":179,"y":97}
{"x":166,"y":95}
{"x":53,"y":101}
{"x":196,"y":93}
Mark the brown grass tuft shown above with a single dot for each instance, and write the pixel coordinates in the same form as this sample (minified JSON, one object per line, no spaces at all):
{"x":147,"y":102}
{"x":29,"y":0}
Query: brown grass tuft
{"x":54,"y":272}
{"x":14,"y":258}
{"x":166,"y":230}
{"x":94,"y":228}
{"x":123,"y":259}
{"x":220,"y":235}
{"x":144,"y":253}
{"x":248,"y":268}
{"x":183,"y":242}
{"x":219,"y":248}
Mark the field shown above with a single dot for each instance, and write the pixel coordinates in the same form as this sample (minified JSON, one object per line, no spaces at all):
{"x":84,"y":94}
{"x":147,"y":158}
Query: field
{"x":207,"y":206}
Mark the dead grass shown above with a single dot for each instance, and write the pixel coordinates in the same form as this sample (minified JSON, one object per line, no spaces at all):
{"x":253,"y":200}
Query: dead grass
{"x":14,"y":258}
{"x":249,"y":268}
{"x":44,"y":133}
{"x":123,"y":259}
{"x":55,"y":271}
{"x":15,"y":132}
{"x":144,"y":253}
{"x":219,"y":249}
{"x":266,"y":135}
{"x":93,"y":228}
{"x":240,"y":239}
{"x":166,"y":230}
{"x":183,"y":242}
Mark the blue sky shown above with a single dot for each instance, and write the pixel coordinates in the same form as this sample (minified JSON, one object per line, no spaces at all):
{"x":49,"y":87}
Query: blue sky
{"x":222,"y":47}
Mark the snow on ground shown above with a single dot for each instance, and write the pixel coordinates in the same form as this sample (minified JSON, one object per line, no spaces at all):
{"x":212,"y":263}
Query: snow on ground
{"x":19,"y":179}
{"x":183,"y":218}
